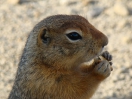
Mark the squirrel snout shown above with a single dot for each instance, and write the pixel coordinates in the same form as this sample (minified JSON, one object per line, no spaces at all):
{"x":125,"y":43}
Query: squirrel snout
{"x":99,"y":36}
{"x":104,"y":41}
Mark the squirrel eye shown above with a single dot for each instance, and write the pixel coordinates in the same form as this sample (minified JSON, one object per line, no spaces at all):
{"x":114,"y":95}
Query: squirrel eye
{"x":74,"y":36}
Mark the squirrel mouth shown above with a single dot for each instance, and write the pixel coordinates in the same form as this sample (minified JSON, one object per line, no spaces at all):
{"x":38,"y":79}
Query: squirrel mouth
{"x":95,"y":58}
{"x":90,"y":62}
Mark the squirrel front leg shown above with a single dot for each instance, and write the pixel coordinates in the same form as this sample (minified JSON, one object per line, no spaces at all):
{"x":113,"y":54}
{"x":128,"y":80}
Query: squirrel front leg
{"x":101,"y":66}
{"x":97,"y":72}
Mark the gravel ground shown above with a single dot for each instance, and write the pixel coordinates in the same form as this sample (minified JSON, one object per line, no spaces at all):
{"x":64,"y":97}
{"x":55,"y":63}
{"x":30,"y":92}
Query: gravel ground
{"x":112,"y":17}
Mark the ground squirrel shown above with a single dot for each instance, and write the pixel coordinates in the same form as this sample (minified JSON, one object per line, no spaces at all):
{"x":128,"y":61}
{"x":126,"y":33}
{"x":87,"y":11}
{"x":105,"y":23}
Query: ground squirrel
{"x":55,"y":63}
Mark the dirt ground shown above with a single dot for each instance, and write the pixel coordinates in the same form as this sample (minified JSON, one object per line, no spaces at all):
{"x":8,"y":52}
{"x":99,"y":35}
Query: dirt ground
{"x":112,"y":17}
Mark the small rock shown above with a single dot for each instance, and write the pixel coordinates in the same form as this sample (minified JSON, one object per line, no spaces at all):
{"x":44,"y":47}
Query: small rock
{"x":95,"y":11}
{"x":37,"y":14}
{"x":122,"y":23}
{"x":129,"y":40}
{"x":121,"y":9}
{"x":121,"y":77}
{"x":86,"y":2}
{"x":126,"y":39}
{"x":13,"y":1}
{"x":124,"y":70}
{"x":109,"y":11}
{"x":63,"y":2}
{"x":2,"y":62}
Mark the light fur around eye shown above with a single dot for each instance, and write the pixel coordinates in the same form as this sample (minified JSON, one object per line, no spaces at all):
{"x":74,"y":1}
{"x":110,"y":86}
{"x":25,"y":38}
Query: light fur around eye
{"x":73,"y":35}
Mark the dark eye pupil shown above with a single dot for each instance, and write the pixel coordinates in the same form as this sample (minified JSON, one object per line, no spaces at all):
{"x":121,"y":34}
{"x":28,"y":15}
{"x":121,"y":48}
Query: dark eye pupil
{"x":74,"y":36}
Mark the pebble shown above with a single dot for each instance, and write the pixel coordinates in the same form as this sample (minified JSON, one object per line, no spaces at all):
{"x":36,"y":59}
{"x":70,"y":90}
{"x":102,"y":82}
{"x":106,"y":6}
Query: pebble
{"x":127,"y":39}
{"x":95,"y":11}
{"x":121,"y":9}
{"x":88,"y":2}
{"x":109,"y":11}
{"x":13,"y":2}
{"x":121,"y":77}
{"x":67,"y":2}
{"x":2,"y":61}
{"x":64,"y":2}
{"x":121,"y":24}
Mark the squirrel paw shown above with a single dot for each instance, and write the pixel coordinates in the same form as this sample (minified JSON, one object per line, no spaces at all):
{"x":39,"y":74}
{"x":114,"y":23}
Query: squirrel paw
{"x":107,"y":55}
{"x":103,"y":69}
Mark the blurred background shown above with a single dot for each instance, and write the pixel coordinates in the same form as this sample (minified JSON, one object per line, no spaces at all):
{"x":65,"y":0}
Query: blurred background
{"x":112,"y":17}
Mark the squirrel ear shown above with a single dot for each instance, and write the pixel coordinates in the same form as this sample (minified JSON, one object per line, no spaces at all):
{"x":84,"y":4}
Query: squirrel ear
{"x":44,"y":36}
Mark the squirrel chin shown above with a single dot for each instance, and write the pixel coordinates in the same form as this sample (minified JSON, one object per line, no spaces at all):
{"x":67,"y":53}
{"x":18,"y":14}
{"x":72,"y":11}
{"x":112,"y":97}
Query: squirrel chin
{"x":92,"y":61}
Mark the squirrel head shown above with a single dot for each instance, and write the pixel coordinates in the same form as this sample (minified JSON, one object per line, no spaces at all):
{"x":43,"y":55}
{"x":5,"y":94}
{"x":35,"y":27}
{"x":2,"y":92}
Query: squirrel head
{"x":65,"y":41}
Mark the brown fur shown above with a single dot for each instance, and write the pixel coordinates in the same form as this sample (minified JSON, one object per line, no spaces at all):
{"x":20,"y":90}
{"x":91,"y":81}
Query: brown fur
{"x":56,"y":70}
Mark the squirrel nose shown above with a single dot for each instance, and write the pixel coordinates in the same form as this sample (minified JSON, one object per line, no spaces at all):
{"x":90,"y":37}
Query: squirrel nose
{"x":104,"y":41}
